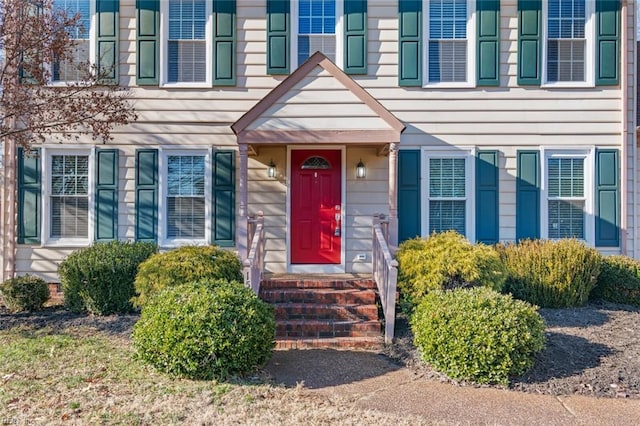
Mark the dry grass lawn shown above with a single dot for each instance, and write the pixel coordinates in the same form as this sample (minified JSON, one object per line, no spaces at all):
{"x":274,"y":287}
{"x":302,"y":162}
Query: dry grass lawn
{"x":81,"y":375}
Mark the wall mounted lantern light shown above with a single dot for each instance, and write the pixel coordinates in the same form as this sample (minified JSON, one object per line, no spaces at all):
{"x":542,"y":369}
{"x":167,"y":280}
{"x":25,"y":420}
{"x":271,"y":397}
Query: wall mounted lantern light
{"x":271,"y":170}
{"x":361,"y":171}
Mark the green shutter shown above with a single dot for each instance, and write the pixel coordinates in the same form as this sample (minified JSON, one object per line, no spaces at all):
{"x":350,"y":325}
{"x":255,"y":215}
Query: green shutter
{"x":146,"y":195}
{"x":410,"y":43}
{"x":528,"y":195}
{"x":107,"y":39}
{"x":487,"y":197}
{"x":29,"y":196}
{"x":408,"y":194}
{"x":607,"y":198}
{"x":488,"y":42}
{"x":607,"y":42}
{"x":278,"y":37}
{"x":355,"y":36}
{"x":223,"y":228}
{"x":529,"y":42}
{"x":148,"y":42}
{"x":224,"y":42}
{"x":106,"y":194}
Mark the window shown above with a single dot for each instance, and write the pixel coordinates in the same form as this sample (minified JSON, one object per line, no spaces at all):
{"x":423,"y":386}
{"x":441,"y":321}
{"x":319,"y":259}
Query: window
{"x":69,"y":196}
{"x":568,"y":46}
{"x":447,"y":192}
{"x":185,"y":196}
{"x":187,"y":48}
{"x":567,"y":203}
{"x":450,"y":42}
{"x":185,"y":204}
{"x":316,"y":28}
{"x":72,"y":69}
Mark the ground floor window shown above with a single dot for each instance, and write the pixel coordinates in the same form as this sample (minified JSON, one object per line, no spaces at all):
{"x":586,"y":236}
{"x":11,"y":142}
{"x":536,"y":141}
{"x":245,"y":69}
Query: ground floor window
{"x":68,"y":196}
{"x":567,"y":199}
{"x":447,"y":193}
{"x":184,"y":182}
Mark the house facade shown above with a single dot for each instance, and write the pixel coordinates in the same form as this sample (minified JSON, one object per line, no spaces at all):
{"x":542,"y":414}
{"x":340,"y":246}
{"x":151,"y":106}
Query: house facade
{"x":502,"y":120}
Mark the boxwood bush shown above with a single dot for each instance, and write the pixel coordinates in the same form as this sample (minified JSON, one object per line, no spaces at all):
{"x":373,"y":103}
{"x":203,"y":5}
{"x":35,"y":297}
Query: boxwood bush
{"x":444,"y":261}
{"x":211,"y":329}
{"x":183,"y":265}
{"x":24,"y":293}
{"x":619,"y":280}
{"x":551,"y":274}
{"x":477,"y":334}
{"x":99,"y":279}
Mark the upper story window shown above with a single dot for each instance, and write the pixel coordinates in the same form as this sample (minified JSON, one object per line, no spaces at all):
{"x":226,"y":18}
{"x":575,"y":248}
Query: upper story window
{"x":72,"y":68}
{"x":316,"y":28}
{"x":187,"y":42}
{"x":568,"y":45}
{"x":450,"y":36}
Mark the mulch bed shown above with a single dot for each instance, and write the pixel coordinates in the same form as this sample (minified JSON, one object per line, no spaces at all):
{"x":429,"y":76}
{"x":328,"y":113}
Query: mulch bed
{"x":592,"y":350}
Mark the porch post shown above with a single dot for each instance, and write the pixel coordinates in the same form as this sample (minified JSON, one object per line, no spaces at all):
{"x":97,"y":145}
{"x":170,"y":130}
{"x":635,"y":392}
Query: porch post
{"x":393,"y":195}
{"x":244,"y":201}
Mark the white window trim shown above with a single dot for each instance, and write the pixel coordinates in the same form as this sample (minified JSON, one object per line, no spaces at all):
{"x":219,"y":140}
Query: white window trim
{"x":589,"y":60}
{"x":164,"y":49}
{"x":471,"y":49}
{"x":92,"y":49}
{"x":47,"y":240}
{"x":589,"y":189}
{"x":339,"y":34}
{"x":163,"y":241}
{"x":468,"y":154}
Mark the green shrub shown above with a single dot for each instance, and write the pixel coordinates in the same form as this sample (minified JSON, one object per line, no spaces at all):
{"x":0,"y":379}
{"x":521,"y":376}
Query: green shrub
{"x":619,"y":280}
{"x":551,"y":274}
{"x":445,"y":261}
{"x":99,"y":279}
{"x":24,"y":293}
{"x":183,"y":265}
{"x":211,"y":329}
{"x":477,"y":334}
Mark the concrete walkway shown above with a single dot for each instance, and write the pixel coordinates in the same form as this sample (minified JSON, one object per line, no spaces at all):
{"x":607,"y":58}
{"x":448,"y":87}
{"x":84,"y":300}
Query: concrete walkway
{"x":370,"y":381}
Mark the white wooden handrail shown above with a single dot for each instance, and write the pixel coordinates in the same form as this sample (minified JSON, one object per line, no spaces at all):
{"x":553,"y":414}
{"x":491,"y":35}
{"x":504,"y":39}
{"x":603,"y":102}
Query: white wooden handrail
{"x":385,"y":274}
{"x":253,"y":265}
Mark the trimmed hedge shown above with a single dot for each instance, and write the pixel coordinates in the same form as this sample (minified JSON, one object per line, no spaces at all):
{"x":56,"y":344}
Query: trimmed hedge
{"x":477,"y":334}
{"x":443,"y":261}
{"x":211,"y":329}
{"x":619,"y":280}
{"x":183,"y":265}
{"x":24,"y":293}
{"x":99,"y":279}
{"x":551,"y":274}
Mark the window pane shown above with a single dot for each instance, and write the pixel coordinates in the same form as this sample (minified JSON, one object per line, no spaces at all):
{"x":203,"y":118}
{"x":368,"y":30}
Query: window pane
{"x":566,"y":219}
{"x":447,"y":215}
{"x":448,"y":19}
{"x":75,"y":68}
{"x":447,"y":177}
{"x":566,"y":177}
{"x":69,"y":217}
{"x":185,"y":200}
{"x":187,"y":61}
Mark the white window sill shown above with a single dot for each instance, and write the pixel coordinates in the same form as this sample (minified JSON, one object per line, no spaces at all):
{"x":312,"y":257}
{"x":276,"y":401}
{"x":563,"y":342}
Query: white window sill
{"x":67,"y":242}
{"x":568,"y":85}
{"x":204,"y":85}
{"x":171,"y":244}
{"x":450,"y":85}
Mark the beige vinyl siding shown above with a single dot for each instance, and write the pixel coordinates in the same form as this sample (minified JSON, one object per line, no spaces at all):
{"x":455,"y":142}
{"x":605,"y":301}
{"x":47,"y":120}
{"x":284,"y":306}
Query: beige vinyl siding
{"x":504,"y":118}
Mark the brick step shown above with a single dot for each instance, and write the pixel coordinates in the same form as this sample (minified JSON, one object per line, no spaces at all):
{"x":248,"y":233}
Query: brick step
{"x":326,"y":329}
{"x":292,"y":311}
{"x":373,"y":343}
{"x":280,"y":283}
{"x":319,"y":296}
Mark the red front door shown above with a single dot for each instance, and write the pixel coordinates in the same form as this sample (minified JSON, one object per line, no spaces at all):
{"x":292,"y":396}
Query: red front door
{"x":316,"y":203}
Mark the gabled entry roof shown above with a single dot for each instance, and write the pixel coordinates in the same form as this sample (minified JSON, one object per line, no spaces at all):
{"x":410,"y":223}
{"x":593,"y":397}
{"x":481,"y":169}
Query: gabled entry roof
{"x":318,"y":103}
